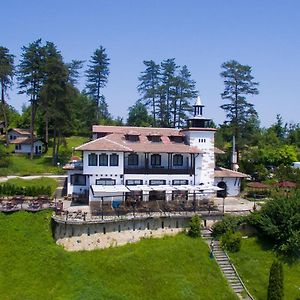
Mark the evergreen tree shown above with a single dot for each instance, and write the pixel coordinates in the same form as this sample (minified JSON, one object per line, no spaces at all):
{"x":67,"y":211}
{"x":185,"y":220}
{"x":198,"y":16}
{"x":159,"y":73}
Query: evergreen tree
{"x":30,"y":77}
{"x":168,"y":91}
{"x":138,"y":116}
{"x":275,"y":288}
{"x":97,"y":77}
{"x":54,"y":81}
{"x":73,"y":67}
{"x":239,"y":84}
{"x":149,"y":87}
{"x":6,"y":80}
{"x":185,"y":92}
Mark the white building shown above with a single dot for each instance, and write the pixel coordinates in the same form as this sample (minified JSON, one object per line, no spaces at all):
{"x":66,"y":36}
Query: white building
{"x":147,"y":163}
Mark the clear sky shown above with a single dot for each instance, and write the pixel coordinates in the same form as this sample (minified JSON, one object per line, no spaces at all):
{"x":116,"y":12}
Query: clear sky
{"x":201,"y":34}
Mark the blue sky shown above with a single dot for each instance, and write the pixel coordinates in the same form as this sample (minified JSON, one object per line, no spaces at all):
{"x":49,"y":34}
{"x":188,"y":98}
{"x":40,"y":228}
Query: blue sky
{"x":200,"y":34}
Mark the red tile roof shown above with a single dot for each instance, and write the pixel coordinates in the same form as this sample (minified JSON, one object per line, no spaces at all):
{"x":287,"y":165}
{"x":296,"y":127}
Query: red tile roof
{"x":222,"y":172}
{"x":140,"y":130}
{"x":21,"y":131}
{"x":23,"y":140}
{"x":117,"y":142}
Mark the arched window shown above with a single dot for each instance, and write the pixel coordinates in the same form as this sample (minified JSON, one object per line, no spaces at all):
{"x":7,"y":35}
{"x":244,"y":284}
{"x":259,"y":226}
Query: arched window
{"x":177,"y":160}
{"x":103,"y":159}
{"x":155,"y":160}
{"x":93,"y":159}
{"x":133,"y":159}
{"x":114,"y":159}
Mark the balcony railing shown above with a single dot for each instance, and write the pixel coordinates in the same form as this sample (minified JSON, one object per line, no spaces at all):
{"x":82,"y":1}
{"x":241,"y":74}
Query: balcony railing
{"x":158,"y":170}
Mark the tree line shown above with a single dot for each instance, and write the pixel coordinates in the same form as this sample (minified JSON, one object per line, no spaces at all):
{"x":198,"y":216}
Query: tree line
{"x":56,"y":108}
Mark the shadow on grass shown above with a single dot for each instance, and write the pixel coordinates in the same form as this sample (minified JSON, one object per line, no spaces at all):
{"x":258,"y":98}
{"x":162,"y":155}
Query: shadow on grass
{"x":268,"y":245}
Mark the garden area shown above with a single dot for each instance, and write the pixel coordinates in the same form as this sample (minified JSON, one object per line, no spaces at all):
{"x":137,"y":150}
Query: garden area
{"x":31,"y":265}
{"x":267,"y":237}
{"x":21,"y":164}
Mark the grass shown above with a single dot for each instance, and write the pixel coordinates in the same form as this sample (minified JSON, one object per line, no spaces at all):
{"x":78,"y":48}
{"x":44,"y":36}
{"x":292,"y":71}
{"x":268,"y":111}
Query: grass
{"x":32,"y":266}
{"x":253,"y":263}
{"x":43,"y":181}
{"x":23,"y":165}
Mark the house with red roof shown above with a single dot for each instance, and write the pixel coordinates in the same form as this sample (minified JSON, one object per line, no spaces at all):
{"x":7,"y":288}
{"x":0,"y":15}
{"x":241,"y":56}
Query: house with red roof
{"x":147,"y":163}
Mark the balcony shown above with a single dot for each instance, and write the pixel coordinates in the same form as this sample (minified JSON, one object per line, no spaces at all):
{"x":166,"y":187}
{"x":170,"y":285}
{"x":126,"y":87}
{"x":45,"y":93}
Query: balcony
{"x":158,"y":170}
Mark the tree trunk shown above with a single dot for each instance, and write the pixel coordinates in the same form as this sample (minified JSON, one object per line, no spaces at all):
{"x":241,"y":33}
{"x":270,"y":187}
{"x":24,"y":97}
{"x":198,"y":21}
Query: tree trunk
{"x":4,"y":114}
{"x":54,"y":160}
{"x":32,"y":128}
{"x":46,"y":128}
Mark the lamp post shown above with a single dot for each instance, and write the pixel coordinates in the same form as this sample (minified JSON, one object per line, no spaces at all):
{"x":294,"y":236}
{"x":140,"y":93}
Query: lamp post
{"x":102,"y":207}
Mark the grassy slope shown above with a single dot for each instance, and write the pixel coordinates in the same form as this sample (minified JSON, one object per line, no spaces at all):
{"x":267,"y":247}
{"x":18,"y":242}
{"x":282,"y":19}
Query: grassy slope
{"x":43,"y":181}
{"x":23,"y":165}
{"x":253,"y":263}
{"x":32,"y":266}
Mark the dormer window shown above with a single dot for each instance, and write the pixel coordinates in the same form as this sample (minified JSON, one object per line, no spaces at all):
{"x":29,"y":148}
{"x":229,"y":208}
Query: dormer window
{"x":154,"y":138}
{"x":132,"y":138}
{"x":176,"y":139}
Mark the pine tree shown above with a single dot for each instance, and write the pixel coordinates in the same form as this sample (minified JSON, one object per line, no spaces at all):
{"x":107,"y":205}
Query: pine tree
{"x":73,"y":69}
{"x":30,"y":77}
{"x":55,"y":77}
{"x":275,"y":288}
{"x":168,"y":90}
{"x":149,"y":87}
{"x":239,"y":84}
{"x":185,"y":92}
{"x":97,"y":77}
{"x":6,"y":80}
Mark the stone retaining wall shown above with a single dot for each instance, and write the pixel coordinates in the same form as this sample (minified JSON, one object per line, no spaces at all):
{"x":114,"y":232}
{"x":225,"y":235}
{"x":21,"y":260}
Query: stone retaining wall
{"x":89,"y":236}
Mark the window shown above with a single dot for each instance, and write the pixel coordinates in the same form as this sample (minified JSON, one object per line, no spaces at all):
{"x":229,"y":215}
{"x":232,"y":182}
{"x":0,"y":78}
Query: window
{"x":92,"y":159}
{"x":132,"y":137}
{"x":155,"y":160}
{"x":154,"y":138}
{"x":78,"y":179}
{"x":105,"y":181}
{"x":177,"y":160}
{"x":113,"y":159}
{"x":103,"y":159}
{"x":176,"y":139}
{"x":133,"y":159}
{"x":180,"y":182}
{"x":134,"y":182}
{"x":202,"y":140}
{"x":157,"y":182}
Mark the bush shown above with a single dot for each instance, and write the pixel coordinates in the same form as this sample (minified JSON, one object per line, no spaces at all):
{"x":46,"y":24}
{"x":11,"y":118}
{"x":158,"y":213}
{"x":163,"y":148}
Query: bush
{"x":229,"y":223}
{"x":195,"y":224}
{"x":275,"y":288}
{"x":231,"y":241}
{"x":279,"y":220}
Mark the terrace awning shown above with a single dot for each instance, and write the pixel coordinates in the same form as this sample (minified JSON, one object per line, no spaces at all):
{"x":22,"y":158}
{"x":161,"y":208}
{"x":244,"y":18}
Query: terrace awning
{"x":110,"y":189}
{"x":139,"y":188}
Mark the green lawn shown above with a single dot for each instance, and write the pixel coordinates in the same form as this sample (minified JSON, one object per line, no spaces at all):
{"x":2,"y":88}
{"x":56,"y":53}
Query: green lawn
{"x":32,"y":266}
{"x":23,"y":165}
{"x":253,"y":263}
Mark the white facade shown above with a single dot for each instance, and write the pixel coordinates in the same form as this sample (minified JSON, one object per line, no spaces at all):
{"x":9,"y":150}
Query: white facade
{"x":26,"y":148}
{"x":233,"y":185}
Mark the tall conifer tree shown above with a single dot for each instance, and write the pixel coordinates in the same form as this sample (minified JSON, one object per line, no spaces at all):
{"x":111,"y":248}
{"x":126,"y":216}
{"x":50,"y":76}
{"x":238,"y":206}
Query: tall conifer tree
{"x":239,"y":83}
{"x":97,"y":77}
{"x":6,"y":80}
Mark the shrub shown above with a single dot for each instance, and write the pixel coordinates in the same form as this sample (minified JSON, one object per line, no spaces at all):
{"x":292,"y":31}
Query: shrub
{"x":195,"y":224}
{"x":279,"y":220}
{"x":231,"y":241}
{"x":275,"y":288}
{"x":229,"y":223}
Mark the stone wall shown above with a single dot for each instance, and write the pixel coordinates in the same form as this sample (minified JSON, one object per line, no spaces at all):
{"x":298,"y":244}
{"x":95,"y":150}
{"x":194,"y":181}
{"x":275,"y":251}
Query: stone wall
{"x":99,"y":235}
